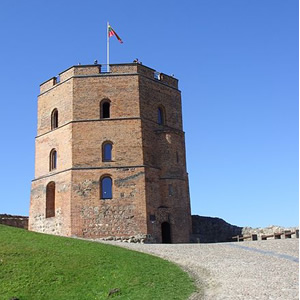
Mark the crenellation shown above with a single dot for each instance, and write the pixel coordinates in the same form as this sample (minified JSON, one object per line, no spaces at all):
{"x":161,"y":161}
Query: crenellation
{"x":47,"y":84}
{"x":67,"y":74}
{"x":95,"y":70}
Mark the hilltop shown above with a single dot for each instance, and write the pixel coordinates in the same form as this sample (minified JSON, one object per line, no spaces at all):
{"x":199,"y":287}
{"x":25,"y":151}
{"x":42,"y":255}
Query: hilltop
{"x":39,"y":266}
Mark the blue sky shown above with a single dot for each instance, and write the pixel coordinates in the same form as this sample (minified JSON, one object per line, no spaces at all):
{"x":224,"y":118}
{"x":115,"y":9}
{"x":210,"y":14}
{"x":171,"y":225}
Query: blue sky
{"x":237,"y":65}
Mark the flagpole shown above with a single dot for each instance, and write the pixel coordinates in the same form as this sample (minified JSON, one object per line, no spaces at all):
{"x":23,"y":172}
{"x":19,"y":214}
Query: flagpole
{"x":107,"y":49}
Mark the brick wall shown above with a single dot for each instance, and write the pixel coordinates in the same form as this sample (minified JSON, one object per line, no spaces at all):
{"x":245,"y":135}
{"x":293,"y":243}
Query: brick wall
{"x":15,"y":221}
{"x":164,"y":152}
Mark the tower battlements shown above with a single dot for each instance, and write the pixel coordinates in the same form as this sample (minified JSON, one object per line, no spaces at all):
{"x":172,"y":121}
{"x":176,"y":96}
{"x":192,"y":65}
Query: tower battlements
{"x":115,"y":70}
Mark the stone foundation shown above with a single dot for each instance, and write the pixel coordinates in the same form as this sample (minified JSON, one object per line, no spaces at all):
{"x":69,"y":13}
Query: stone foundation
{"x":140,"y":238}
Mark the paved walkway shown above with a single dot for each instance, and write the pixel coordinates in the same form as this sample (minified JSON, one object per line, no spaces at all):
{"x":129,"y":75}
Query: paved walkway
{"x":238,"y":271}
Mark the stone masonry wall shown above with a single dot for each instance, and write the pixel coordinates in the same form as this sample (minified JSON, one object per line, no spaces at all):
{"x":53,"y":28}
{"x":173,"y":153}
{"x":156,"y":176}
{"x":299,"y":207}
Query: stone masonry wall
{"x":267,"y":230}
{"x":123,"y":215}
{"x":212,"y":230}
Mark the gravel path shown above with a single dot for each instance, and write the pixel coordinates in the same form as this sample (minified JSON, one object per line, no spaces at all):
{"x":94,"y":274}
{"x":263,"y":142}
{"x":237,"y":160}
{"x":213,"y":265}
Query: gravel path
{"x":245,"y":271}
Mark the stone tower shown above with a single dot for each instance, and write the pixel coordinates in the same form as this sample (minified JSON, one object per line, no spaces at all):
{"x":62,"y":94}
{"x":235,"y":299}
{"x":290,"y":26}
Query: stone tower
{"x":110,"y":155}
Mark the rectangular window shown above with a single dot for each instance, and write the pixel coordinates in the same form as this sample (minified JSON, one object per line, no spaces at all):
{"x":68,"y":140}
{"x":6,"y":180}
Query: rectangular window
{"x":171,"y":192}
{"x":107,"y":147}
{"x":152,"y":218}
{"x":106,"y":188}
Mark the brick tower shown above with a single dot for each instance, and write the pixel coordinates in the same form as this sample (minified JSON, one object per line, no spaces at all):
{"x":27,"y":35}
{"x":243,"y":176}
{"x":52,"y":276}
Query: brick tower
{"x":110,"y":155}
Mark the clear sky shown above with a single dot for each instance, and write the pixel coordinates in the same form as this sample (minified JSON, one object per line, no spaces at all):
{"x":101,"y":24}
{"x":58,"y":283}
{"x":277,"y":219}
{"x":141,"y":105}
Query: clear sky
{"x":237,"y":65}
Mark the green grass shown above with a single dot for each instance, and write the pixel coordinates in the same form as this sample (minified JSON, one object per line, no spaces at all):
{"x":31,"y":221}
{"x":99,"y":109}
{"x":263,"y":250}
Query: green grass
{"x":37,"y":266}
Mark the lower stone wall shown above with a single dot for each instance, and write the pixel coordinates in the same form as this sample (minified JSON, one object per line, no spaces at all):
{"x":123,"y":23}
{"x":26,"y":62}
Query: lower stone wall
{"x":204,"y":230}
{"x":270,"y":230}
{"x":216,"y":230}
{"x":15,"y":221}
{"x":140,"y":238}
{"x":212,"y":230}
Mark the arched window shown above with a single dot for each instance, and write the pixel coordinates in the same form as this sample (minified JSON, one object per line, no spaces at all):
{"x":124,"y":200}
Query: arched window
{"x":160,"y":115}
{"x":54,"y":119}
{"x":107,"y":151}
{"x":50,"y":200}
{"x":105,"y":109}
{"x":53,"y":160}
{"x":106,"y":187}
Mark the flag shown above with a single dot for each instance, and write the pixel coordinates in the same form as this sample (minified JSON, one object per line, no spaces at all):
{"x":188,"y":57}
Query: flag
{"x":111,"y":32}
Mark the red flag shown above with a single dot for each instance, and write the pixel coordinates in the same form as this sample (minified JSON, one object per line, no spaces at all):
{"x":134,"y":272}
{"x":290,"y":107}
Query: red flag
{"x":111,"y":32}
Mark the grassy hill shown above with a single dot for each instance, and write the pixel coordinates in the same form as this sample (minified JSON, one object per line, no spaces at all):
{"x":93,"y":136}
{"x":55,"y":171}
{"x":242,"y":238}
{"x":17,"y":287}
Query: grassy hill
{"x":37,"y":266}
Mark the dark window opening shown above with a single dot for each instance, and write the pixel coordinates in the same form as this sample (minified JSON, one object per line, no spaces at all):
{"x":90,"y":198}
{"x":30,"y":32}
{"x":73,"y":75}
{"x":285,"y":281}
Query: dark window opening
{"x":177,"y":157}
{"x":105,"y":110}
{"x":50,"y":200}
{"x":107,"y":151}
{"x":160,"y":116}
{"x":53,"y":160}
{"x":152,"y":218}
{"x":106,"y":188}
{"x":54,"y":119}
{"x":171,"y":190}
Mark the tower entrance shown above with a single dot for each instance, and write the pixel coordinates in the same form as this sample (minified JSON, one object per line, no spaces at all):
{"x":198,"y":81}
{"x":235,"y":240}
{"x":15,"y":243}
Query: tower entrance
{"x":166,"y":233}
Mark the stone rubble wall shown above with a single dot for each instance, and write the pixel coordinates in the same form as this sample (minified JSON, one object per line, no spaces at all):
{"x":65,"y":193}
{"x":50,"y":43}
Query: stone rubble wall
{"x":212,"y":230}
{"x":216,"y":230}
{"x":141,"y":238}
{"x":15,"y":221}
{"x":205,"y":230}
{"x":267,"y":230}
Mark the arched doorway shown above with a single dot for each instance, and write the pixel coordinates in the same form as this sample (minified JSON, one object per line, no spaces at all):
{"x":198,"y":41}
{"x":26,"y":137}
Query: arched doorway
{"x":166,"y":233}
